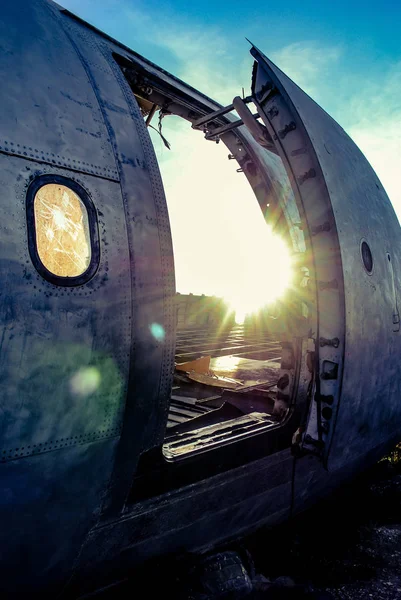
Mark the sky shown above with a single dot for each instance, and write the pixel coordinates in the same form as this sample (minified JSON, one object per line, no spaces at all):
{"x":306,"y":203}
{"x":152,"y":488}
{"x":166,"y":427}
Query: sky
{"x":345,"y":55}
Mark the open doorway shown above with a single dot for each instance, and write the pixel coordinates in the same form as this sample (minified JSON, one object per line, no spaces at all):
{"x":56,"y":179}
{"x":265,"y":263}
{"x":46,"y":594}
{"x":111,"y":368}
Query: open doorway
{"x":242,"y":321}
{"x":232,"y":273}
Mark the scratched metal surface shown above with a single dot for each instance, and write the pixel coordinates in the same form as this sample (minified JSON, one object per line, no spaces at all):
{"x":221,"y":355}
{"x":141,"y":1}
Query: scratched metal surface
{"x":51,"y":335}
{"x":47,"y":91}
{"x":57,"y":443}
{"x":150,"y":256}
{"x":81,"y":483}
{"x":369,"y":336}
{"x":48,"y":503}
{"x":194,"y":518}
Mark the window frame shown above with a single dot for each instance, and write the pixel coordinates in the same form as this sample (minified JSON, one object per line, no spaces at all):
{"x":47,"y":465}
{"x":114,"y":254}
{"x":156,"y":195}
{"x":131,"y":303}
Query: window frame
{"x":83,"y":195}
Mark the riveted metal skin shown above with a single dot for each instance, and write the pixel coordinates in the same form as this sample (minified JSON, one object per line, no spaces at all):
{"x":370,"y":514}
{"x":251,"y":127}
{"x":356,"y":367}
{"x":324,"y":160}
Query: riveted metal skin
{"x":314,"y":201}
{"x":359,"y":350}
{"x":69,"y":469}
{"x":67,"y":115}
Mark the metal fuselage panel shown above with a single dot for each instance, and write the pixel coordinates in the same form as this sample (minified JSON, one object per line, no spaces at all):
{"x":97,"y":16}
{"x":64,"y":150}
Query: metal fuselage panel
{"x":69,"y":460}
{"x":194,"y":518}
{"x":50,"y":111}
{"x":63,"y":451}
{"x":369,"y":408}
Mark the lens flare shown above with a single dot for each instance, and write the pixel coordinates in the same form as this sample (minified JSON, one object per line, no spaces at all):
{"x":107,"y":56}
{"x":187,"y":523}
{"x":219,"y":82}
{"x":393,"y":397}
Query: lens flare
{"x":239,"y":316}
{"x":157,"y":331}
{"x":85,"y":381}
{"x":267,"y":276}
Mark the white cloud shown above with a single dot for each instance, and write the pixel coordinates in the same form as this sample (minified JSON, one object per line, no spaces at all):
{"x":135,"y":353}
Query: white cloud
{"x":221,"y":244}
{"x":381,"y":144}
{"x":369,"y":108}
{"x":367,"y":105}
{"x":204,"y":55}
{"x":376,"y":128}
{"x":308,"y":64}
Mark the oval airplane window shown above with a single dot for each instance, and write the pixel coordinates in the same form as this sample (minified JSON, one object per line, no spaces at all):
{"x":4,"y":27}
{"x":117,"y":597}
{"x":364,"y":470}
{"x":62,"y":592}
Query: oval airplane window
{"x":63,"y":231}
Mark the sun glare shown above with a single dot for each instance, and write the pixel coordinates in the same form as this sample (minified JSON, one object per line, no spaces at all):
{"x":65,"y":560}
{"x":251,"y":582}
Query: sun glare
{"x":267,"y":276}
{"x":223,"y":246}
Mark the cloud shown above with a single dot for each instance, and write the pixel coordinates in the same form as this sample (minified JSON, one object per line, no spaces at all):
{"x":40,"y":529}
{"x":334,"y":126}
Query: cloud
{"x":202,"y":194}
{"x":215,"y":220}
{"x":367,"y":105}
{"x":203,"y":55}
{"x":381,"y":144}
{"x":375,"y":125}
{"x":307,"y":63}
{"x":369,"y":108}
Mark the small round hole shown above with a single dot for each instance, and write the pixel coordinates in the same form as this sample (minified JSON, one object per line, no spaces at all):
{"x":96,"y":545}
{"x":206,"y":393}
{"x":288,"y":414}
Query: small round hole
{"x":367,"y":257}
{"x":327,"y":413}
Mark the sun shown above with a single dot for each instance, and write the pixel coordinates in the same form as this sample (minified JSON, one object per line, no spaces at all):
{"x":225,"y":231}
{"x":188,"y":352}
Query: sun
{"x":265,"y":275}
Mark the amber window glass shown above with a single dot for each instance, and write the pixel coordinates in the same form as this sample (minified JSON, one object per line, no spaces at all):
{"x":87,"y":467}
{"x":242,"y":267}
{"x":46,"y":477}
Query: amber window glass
{"x":62,"y":230}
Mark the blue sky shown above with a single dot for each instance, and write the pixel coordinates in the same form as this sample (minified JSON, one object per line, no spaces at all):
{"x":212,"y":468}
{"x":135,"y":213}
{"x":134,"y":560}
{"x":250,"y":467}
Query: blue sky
{"x":346,"y":55}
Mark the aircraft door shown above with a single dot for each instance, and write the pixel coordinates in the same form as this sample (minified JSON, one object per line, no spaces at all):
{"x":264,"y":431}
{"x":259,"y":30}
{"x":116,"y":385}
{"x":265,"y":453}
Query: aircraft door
{"x":348,"y":221}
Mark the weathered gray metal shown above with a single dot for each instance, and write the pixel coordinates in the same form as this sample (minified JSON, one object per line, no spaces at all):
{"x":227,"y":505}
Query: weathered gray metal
{"x":346,"y":205}
{"x":77,"y":510}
